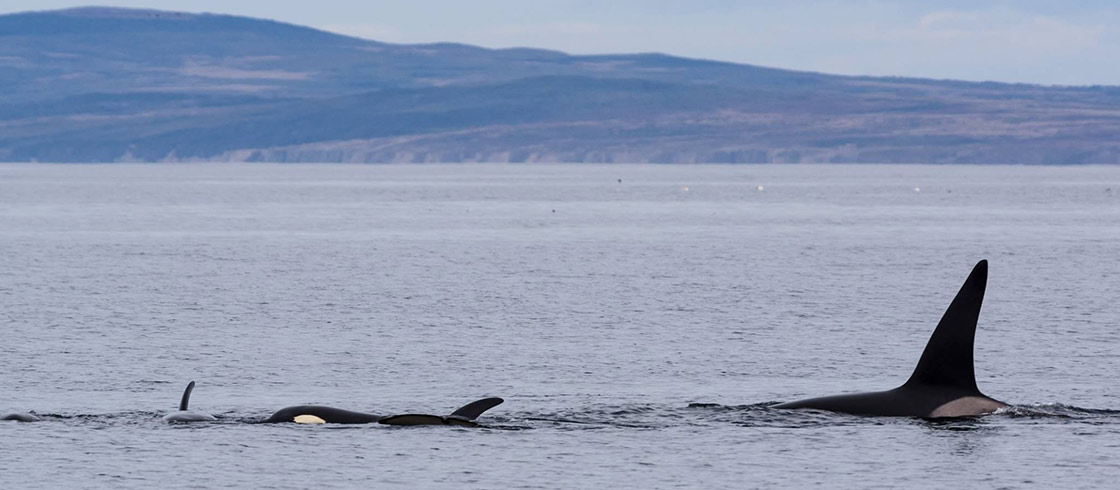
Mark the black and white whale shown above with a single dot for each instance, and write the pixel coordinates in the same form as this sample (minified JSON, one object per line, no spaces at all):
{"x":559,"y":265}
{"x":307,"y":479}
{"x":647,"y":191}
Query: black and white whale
{"x":19,"y":417}
{"x":184,"y":414}
{"x":944,"y":383}
{"x":314,"y":414}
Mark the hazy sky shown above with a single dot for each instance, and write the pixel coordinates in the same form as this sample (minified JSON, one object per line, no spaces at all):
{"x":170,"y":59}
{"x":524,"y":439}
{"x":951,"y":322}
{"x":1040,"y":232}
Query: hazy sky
{"x":1020,"y":41}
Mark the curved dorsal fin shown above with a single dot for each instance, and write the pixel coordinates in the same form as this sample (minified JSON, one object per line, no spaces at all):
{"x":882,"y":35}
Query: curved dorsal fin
{"x":472,"y":410}
{"x":186,"y":397}
{"x":947,"y":360}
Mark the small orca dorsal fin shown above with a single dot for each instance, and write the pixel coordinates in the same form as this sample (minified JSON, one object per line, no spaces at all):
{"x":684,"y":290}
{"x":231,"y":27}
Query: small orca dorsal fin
{"x":947,"y":360}
{"x":186,"y":397}
{"x":472,"y":410}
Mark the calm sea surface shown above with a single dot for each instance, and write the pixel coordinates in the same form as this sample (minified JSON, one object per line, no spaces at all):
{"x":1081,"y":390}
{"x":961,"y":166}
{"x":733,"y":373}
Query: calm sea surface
{"x":637,"y":319}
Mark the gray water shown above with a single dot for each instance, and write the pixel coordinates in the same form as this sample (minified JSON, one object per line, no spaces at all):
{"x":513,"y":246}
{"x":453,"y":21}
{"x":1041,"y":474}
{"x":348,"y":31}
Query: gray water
{"x":637,"y":319}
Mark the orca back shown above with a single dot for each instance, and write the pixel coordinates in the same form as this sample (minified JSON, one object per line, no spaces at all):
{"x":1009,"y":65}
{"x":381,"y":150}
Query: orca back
{"x":463,"y":417}
{"x":19,"y":417}
{"x":325,"y":415}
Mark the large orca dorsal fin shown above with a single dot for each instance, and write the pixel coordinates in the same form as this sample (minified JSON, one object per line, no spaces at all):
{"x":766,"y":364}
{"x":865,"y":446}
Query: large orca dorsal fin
{"x":186,"y":397}
{"x":472,"y":410}
{"x":947,"y":360}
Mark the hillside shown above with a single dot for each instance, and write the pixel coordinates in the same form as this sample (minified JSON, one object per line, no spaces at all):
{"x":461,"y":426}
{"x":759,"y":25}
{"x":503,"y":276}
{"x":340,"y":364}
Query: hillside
{"x":103,"y":85}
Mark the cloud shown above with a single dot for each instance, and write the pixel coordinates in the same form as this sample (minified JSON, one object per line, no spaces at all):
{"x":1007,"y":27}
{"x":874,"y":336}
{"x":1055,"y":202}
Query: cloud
{"x":1008,"y":30}
{"x":366,"y":30}
{"x":997,"y":44}
{"x":951,"y":20}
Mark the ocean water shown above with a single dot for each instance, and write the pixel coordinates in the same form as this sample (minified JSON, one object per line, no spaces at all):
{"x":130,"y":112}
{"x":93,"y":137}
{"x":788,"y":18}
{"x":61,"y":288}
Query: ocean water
{"x":637,"y":319}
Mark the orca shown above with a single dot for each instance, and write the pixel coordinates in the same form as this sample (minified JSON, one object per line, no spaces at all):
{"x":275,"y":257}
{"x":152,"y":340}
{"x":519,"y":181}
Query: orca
{"x":316,"y":414}
{"x":944,"y":382}
{"x":465,"y":416}
{"x":185,"y":415}
{"x":19,"y":417}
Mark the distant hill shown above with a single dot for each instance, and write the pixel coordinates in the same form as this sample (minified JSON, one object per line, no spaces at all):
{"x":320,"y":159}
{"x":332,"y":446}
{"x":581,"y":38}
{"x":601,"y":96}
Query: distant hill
{"x":105,"y":84}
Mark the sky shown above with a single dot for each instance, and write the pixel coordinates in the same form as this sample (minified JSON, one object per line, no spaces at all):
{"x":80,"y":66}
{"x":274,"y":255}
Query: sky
{"x":1031,"y":41}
